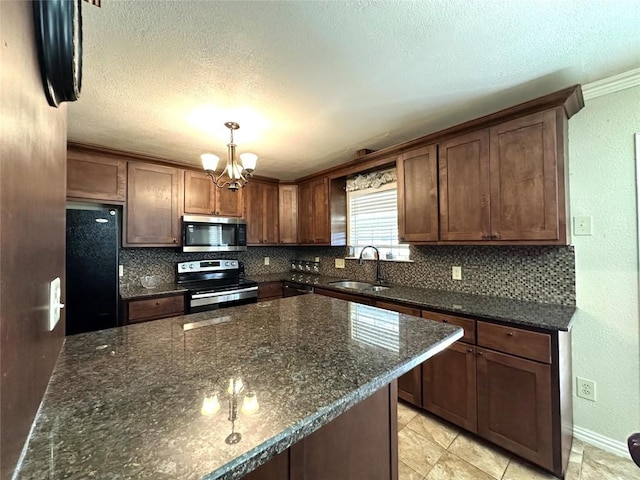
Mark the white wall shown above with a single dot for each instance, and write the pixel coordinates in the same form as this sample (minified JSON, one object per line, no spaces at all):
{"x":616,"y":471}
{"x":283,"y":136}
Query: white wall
{"x":606,"y":334}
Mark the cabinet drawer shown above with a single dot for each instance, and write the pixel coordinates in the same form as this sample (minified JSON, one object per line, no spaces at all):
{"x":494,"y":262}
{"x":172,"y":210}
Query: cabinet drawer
{"x":467,"y":324}
{"x":156,"y":308}
{"x":270,"y":290}
{"x":523,"y":343}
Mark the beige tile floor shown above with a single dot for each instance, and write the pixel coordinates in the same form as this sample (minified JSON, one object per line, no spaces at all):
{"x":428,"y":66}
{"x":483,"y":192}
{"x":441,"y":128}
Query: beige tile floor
{"x":431,"y":449}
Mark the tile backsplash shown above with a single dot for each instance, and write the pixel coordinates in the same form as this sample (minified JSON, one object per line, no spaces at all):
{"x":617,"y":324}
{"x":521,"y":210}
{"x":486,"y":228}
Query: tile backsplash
{"x":536,"y":273}
{"x":162,"y":261}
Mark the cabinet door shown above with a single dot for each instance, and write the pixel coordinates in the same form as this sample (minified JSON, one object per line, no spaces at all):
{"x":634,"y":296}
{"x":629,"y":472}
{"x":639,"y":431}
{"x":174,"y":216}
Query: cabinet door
{"x":464,"y":187}
{"x":514,"y":405}
{"x":95,"y":177}
{"x":524,"y":179}
{"x":321,"y":218}
{"x":253,"y":207}
{"x":199,"y":193}
{"x":229,"y":203}
{"x":288,"y":213}
{"x":305,"y":212}
{"x":270,"y":223}
{"x":449,"y":385}
{"x":153,"y":200}
{"x":418,"y":195}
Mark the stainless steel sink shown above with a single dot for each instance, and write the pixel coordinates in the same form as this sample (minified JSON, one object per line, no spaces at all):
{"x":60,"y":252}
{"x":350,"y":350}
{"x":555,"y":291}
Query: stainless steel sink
{"x":353,"y":285}
{"x":377,"y":288}
{"x":359,"y":286}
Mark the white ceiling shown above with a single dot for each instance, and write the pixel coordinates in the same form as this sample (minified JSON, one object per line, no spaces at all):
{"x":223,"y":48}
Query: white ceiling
{"x":312,"y":82}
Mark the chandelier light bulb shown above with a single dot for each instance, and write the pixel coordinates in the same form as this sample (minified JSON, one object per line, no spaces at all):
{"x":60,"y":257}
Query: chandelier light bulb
{"x":249,"y":161}
{"x":209,"y":161}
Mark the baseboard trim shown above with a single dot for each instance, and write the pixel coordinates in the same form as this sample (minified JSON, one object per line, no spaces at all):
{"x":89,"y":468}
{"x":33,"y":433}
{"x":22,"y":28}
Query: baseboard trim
{"x":612,"y":84}
{"x":607,"y":444}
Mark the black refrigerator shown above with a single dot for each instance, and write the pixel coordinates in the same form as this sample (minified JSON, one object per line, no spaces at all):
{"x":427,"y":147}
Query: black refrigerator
{"x":92,"y":298}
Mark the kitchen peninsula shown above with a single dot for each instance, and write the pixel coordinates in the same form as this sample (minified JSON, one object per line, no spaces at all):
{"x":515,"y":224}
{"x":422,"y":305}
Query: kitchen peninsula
{"x":156,"y":400}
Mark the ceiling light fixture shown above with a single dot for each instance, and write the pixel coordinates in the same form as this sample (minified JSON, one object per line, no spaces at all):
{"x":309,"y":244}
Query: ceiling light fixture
{"x":235,"y":175}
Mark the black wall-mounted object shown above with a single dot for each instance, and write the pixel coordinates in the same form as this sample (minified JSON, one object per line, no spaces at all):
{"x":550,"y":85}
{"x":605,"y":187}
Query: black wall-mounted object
{"x":58,"y":30}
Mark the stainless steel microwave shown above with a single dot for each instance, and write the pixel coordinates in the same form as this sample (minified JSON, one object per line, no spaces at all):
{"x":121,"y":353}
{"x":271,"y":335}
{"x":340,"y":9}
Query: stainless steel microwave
{"x":213,"y":234}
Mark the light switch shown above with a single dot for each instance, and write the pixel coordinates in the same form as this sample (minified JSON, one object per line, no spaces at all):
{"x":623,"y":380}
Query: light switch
{"x":54,"y":303}
{"x":582,"y":225}
{"x":121,"y":270}
{"x":456,"y":273}
{"x":266,"y":260}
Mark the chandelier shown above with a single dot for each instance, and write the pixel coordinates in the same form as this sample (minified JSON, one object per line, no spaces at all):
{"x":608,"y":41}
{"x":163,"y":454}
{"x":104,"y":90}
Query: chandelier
{"x":235,"y":175}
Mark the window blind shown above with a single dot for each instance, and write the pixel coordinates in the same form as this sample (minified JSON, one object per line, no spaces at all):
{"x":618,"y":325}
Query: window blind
{"x":373,"y":220}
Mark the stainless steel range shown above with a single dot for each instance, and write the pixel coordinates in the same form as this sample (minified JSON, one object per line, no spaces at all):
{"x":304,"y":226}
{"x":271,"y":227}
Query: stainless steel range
{"x":215,"y":284}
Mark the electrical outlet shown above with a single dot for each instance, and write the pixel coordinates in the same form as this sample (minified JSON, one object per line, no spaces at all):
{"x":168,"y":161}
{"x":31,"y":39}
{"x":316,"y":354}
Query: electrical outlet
{"x":317,"y":259}
{"x":266,"y":260}
{"x":456,"y":273}
{"x":586,"y":389}
{"x":121,"y":270}
{"x":582,"y":225}
{"x":339,"y":262}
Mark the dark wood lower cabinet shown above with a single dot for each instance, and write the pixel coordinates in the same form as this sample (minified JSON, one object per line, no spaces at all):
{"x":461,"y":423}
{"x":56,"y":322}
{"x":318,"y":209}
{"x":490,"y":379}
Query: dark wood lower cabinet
{"x":360,"y":444}
{"x":410,"y":386}
{"x":449,"y":385}
{"x":515,"y":405}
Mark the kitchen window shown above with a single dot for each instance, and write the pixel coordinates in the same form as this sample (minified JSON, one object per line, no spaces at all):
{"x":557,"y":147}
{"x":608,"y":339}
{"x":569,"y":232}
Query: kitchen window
{"x":373,"y":220}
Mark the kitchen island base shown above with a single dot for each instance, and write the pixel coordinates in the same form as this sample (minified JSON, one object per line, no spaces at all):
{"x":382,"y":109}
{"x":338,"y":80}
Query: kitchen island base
{"x":360,"y":444}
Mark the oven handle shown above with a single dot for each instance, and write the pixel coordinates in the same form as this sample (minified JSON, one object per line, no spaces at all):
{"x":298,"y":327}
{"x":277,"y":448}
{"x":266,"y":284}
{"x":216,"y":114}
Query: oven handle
{"x":228,"y":292}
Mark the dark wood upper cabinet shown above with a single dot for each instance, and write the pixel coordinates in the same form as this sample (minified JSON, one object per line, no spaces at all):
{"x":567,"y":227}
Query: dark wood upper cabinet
{"x":314,"y":215}
{"x":95,"y":177}
{"x":505,"y":184}
{"x":464,"y":187}
{"x":153,"y":205}
{"x":524,"y":179}
{"x":202,"y":196}
{"x":288,"y":213}
{"x":261,"y":212}
{"x":418,"y":195}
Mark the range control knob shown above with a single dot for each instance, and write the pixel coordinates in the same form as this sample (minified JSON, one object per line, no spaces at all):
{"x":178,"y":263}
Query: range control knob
{"x":227,"y":264}
{"x":191,"y":265}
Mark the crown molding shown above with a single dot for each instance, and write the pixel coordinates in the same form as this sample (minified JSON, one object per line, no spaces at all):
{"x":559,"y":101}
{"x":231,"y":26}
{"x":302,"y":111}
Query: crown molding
{"x":611,"y":84}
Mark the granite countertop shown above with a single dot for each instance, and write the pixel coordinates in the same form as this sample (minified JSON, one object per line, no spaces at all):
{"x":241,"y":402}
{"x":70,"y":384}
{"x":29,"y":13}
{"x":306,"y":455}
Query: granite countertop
{"x":126,"y":403}
{"x":545,"y":316}
{"x":128,"y":292}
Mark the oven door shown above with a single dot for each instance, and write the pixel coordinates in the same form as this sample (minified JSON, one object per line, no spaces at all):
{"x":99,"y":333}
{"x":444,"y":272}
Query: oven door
{"x":201,"y":302}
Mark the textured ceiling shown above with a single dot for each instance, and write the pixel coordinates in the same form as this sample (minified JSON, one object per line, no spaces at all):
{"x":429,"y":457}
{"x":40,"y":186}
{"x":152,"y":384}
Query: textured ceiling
{"x":312,"y":82}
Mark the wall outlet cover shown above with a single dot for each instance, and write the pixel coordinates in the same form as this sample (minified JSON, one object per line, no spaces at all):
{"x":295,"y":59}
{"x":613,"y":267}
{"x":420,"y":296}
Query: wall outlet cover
{"x":339,"y":262}
{"x":121,"y":270}
{"x":54,"y":303}
{"x":582,"y":225}
{"x":456,"y":273}
{"x":266,"y":260}
{"x":586,"y":389}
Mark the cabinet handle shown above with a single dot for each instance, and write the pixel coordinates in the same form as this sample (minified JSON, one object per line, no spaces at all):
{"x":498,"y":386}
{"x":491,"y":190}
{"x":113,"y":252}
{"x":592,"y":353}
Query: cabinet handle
{"x":480,"y":353}
{"x":509,"y":334}
{"x":175,"y":240}
{"x":486,"y":236}
{"x":470,"y":350}
{"x":444,"y":320}
{"x":495,"y":236}
{"x":158,"y":302}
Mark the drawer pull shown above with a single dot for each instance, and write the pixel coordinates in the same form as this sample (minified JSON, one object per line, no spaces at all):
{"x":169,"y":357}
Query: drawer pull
{"x":480,"y":353}
{"x":158,"y":302}
{"x":509,"y":334}
{"x":444,"y":320}
{"x":470,"y":350}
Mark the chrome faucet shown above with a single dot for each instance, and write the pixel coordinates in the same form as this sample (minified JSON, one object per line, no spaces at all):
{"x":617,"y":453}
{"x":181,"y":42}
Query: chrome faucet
{"x":379,"y":279}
